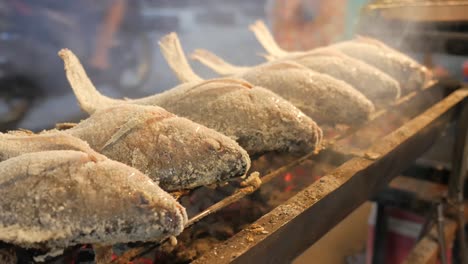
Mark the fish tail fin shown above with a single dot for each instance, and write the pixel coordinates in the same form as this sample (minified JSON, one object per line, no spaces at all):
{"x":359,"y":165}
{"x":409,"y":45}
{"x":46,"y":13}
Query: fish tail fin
{"x":266,"y":39}
{"x":214,"y":62}
{"x":89,"y":98}
{"x":174,"y":55}
{"x":267,"y":57}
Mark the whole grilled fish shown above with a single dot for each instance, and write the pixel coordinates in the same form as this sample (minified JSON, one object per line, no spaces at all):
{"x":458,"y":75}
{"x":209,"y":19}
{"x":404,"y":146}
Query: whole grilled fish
{"x":321,"y":97}
{"x":56,"y":199}
{"x":407,"y":71}
{"x":379,"y":87}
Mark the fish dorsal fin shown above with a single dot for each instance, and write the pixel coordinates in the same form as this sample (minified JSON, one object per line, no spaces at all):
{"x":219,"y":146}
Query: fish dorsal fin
{"x":282,"y":65}
{"x":65,"y":126}
{"x":216,"y":63}
{"x":324,"y":51}
{"x":266,"y":39}
{"x":175,"y":57}
{"x":20,"y":132}
{"x":372,"y":41}
{"x":228,"y":81}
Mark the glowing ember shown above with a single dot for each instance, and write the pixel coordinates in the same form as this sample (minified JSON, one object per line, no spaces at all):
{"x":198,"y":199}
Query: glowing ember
{"x":288,"y":177}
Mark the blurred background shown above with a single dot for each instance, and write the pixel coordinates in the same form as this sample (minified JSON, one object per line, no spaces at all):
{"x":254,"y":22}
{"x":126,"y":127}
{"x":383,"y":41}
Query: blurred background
{"x":116,"y":40}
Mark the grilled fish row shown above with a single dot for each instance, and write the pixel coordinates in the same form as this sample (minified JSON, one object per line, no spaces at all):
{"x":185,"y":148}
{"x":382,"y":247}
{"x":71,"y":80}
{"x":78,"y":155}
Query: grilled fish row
{"x":258,"y":119}
{"x":368,"y":66}
{"x":57,"y":186}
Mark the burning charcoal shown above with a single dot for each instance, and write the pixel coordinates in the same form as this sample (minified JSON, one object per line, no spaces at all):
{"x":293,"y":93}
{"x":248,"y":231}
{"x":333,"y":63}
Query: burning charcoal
{"x":8,"y":256}
{"x":56,"y":199}
{"x":174,"y":151}
{"x":259,"y":120}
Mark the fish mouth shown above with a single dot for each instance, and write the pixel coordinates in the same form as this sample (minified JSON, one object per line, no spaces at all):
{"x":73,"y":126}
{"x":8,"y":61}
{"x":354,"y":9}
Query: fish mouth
{"x":238,"y":168}
{"x":173,"y":220}
{"x":183,"y":217}
{"x":214,"y":167}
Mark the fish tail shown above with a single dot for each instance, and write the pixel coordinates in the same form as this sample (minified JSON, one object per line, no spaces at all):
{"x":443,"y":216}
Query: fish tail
{"x":214,"y":62}
{"x":89,"y":98}
{"x":266,"y":39}
{"x":174,"y":55}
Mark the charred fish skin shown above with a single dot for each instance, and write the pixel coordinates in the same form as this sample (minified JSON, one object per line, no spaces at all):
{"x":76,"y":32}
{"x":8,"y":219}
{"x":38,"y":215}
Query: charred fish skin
{"x":259,"y":120}
{"x":56,"y":199}
{"x":409,"y":75}
{"x":174,"y":151}
{"x":379,"y":87}
{"x":321,"y":97}
{"x":15,"y":143}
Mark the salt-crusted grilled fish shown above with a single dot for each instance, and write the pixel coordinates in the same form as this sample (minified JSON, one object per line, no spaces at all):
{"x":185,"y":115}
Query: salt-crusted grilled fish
{"x":175,"y":152}
{"x":321,"y":97}
{"x":259,"y":120}
{"x":408,"y":72}
{"x":379,"y":87}
{"x":56,"y":199}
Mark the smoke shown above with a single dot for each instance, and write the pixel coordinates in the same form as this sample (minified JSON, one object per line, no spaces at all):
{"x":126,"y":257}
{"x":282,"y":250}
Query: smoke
{"x":394,"y":32}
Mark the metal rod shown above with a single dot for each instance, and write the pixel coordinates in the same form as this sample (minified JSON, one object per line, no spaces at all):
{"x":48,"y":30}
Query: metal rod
{"x":241,"y":193}
{"x":441,"y":233}
{"x":458,"y":176}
